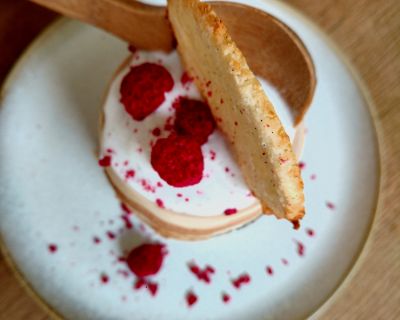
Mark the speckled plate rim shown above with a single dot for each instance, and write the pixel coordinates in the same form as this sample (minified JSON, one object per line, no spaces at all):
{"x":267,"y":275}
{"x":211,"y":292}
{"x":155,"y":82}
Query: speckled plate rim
{"x":360,"y":254}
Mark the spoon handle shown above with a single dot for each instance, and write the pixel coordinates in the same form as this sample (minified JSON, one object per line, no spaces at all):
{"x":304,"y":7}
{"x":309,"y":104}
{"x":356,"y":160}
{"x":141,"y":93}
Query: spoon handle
{"x":142,"y":25}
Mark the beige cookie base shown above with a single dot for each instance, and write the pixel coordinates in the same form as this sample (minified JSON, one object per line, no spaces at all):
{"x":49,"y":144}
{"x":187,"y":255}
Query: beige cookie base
{"x":183,"y":226}
{"x":177,"y":225}
{"x":180,"y":225}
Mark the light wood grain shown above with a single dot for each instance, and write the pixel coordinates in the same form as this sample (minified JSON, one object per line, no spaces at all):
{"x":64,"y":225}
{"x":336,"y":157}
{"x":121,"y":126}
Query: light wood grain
{"x":20,"y":21}
{"x":144,"y":26}
{"x":369,"y":33}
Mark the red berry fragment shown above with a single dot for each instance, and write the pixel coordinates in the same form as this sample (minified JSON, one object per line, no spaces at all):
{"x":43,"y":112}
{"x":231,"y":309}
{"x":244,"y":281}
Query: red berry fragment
{"x":105,"y":161}
{"x":194,"y":119}
{"x":104,"y":278}
{"x":52,"y":248}
{"x":300,"y":248}
{"x":152,"y":287}
{"x":226,"y":297}
{"x":178,"y":160}
{"x":129,"y":174}
{"x":202,"y":274}
{"x":242,"y":279}
{"x":186,"y":79}
{"x":160,"y":203}
{"x":143,"y":89}
{"x":147,"y":259}
{"x":191,"y":298}
{"x":310,"y":232}
{"x":156,"y":132}
{"x":230,"y":211}
{"x":269,"y":270}
{"x":330,"y":205}
{"x":125,"y":208}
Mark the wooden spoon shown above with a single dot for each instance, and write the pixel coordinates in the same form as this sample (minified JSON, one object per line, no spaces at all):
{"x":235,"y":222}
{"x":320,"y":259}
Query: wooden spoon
{"x":272,"y":49}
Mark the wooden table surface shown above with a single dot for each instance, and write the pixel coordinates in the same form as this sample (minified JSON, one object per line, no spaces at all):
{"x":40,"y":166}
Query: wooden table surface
{"x":368,"y":31}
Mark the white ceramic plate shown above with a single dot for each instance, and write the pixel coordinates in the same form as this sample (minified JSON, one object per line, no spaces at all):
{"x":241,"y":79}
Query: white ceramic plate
{"x":52,"y":192}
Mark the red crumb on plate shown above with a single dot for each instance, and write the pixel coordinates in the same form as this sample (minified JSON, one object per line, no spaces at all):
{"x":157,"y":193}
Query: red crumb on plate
{"x":110,"y":235}
{"x":241,"y":280}
{"x":104,"y":278}
{"x":202,"y":274}
{"x":310,"y":232}
{"x":225,"y":297}
{"x":269,"y":270}
{"x":127,"y":221}
{"x":52,"y":248}
{"x":146,"y":259}
{"x":191,"y":298}
{"x":300,"y":248}
{"x":152,"y":287}
{"x":330,"y":205}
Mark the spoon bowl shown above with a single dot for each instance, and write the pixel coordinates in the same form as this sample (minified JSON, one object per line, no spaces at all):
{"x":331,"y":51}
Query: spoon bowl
{"x":271,"y":48}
